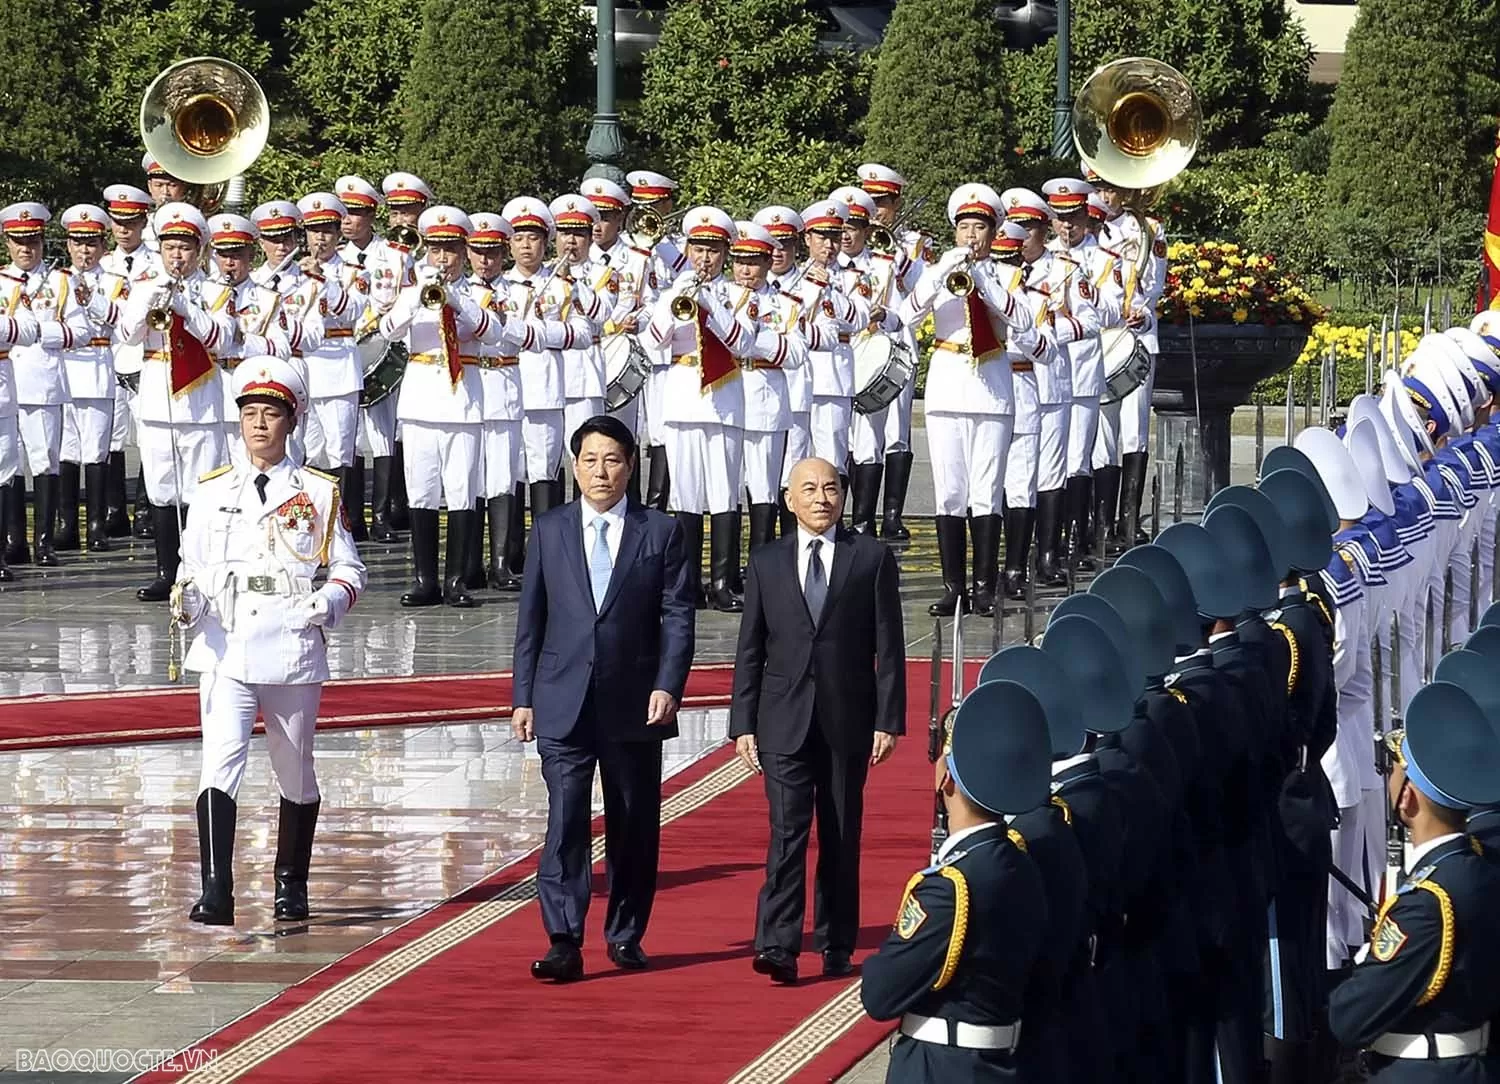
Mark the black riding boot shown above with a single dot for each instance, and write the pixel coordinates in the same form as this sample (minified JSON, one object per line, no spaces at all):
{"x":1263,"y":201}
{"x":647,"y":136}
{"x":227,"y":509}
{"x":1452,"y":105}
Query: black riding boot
{"x":658,"y":480}
{"x":294,"y":840}
{"x":216,"y":813}
{"x":380,"y":501}
{"x":65,"y":535}
{"x":473,"y":569}
{"x":897,"y":478}
{"x":724,"y":564}
{"x":1132,"y":489}
{"x":46,"y":520}
{"x":460,"y":534}
{"x":398,"y":510}
{"x":354,"y":499}
{"x":145,"y":519}
{"x":117,"y":521}
{"x":762,"y":525}
{"x":515,"y":550}
{"x":427,"y":589}
{"x":498,"y":510}
{"x":95,"y":486}
{"x":984,"y":532}
{"x":950,"y":532}
{"x":633,"y":487}
{"x":1076,"y":509}
{"x":17,"y":552}
{"x":1018,"y":527}
{"x":692,"y":545}
{"x":1106,"y":501}
{"x":1049,"y":539}
{"x":866,"y":487}
{"x":166,"y":533}
{"x":788,"y":521}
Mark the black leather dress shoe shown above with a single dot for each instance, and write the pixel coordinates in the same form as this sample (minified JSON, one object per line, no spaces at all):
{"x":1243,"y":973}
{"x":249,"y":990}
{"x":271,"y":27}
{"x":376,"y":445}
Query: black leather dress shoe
{"x":836,"y":963}
{"x":777,"y":963}
{"x":627,"y":956}
{"x":563,"y":963}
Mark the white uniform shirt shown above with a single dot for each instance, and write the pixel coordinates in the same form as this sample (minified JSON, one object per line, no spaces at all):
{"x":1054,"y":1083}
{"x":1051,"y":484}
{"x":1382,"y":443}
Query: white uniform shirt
{"x":89,"y":364}
{"x":383,"y":269}
{"x":41,"y":379}
{"x":333,"y":367}
{"x":1089,"y":273}
{"x":684,"y":399}
{"x":18,"y":327}
{"x":832,"y":317}
{"x":542,"y":374}
{"x":778,"y":350}
{"x":202,"y":404}
{"x":428,"y":393}
{"x":499,"y":361}
{"x":798,"y":380}
{"x":595,"y":292}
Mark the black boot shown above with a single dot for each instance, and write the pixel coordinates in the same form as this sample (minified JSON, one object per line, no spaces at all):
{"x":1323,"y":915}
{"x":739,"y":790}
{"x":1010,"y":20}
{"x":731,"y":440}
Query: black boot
{"x":633,"y":487}
{"x":1106,"y":501}
{"x":1018,"y":527}
{"x":455,"y":560}
{"x":692,"y":545}
{"x":1049,"y":539}
{"x":788,"y":521}
{"x":116,"y":520}
{"x":354,"y":499}
{"x":984,"y":532}
{"x":1132,"y":488}
{"x":294,"y":840}
{"x":6,"y":575}
{"x":426,"y":589}
{"x":397,"y":508}
{"x":144,"y":520}
{"x":1076,"y":524}
{"x":762,"y":525}
{"x":166,"y":534}
{"x":498,"y":510}
{"x":658,"y":482}
{"x":65,"y":536}
{"x":216,"y":813}
{"x":950,"y":532}
{"x":515,"y":550}
{"x":473,"y":569}
{"x":380,"y":500}
{"x":724,"y":564}
{"x":46,"y":520}
{"x":95,"y":486}
{"x":897,"y":478}
{"x":17,"y":552}
{"x":866,"y":497}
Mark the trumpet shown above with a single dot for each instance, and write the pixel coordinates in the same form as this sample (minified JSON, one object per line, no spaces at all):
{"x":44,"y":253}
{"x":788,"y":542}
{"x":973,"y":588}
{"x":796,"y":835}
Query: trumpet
{"x":159,"y":318}
{"x":960,"y":281}
{"x":433,"y":295}
{"x":685,"y":305}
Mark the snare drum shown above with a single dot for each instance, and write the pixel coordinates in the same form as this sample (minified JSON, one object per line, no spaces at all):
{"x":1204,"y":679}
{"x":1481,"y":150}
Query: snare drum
{"x":626,"y":367}
{"x":882,"y":366}
{"x":1127,"y":363}
{"x":383,"y":363}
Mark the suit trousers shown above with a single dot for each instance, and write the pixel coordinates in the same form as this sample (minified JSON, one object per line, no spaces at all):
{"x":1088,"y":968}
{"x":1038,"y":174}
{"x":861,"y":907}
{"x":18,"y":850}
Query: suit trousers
{"x":630,"y":776}
{"x":814,"y":782}
{"x":227,"y":710}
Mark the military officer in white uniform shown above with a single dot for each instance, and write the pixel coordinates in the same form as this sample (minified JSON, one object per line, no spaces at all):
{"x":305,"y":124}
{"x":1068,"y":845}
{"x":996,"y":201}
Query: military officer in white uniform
{"x":181,"y":400}
{"x":970,"y":399}
{"x":441,"y":405}
{"x":703,"y":402}
{"x":18,"y":327}
{"x":593,"y":293}
{"x":831,"y":357}
{"x":631,"y":269}
{"x":785,"y":227}
{"x":265,"y":529}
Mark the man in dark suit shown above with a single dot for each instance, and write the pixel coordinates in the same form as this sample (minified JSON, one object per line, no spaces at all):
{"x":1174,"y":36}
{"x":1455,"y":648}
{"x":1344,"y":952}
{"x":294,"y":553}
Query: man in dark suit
{"x":819,"y":697}
{"x":604,"y":641}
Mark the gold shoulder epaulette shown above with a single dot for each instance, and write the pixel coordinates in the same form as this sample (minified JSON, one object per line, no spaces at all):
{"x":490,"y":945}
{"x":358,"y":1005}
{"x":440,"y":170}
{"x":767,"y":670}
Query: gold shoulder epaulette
{"x":321,"y":474}
{"x":1017,"y":840}
{"x":1296,"y":667}
{"x":1445,"y":945}
{"x":960,"y":927}
{"x":225,"y":469}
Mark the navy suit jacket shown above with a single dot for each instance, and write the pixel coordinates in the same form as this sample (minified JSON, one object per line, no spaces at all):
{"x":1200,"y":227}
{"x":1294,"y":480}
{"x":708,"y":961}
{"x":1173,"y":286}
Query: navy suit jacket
{"x":640,"y":639}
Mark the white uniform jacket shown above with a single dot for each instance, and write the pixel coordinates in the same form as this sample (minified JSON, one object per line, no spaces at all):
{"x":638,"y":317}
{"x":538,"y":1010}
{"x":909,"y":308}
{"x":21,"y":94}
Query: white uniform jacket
{"x":777,"y":350}
{"x":500,"y":360}
{"x":41,"y":379}
{"x":832,"y":317}
{"x":193,"y":300}
{"x":428,"y":393}
{"x":542,"y":377}
{"x":684,"y":399}
{"x":18,"y":327}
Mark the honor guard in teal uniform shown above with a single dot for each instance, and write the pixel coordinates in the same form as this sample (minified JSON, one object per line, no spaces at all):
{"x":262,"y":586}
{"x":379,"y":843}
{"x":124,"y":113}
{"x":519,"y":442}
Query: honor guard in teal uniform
{"x":956,"y":966}
{"x":1474,"y":672}
{"x":1422,"y":998}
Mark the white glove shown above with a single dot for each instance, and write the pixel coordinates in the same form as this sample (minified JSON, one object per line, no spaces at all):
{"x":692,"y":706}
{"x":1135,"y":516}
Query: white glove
{"x":187,"y":602}
{"x":98,"y":306}
{"x":453,"y":295}
{"x":179,"y":302}
{"x":427,"y":274}
{"x":160,"y":297}
{"x":952,"y":260}
{"x":311,"y":611}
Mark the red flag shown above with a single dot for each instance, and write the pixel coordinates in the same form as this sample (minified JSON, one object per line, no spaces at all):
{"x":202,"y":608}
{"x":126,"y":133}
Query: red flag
{"x":715,"y":362}
{"x":1489,"y":281}
{"x":984,"y":344}
{"x":190,"y":363}
{"x":448,"y":331}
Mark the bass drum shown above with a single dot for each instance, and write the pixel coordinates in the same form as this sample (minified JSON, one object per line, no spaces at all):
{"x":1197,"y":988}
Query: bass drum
{"x":626,"y":367}
{"x":882,"y":366}
{"x":383,"y":363}
{"x":1127,"y":363}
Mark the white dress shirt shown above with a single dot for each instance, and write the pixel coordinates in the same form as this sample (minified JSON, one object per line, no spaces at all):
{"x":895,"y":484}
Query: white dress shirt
{"x":614,"y":519}
{"x":825,"y":555}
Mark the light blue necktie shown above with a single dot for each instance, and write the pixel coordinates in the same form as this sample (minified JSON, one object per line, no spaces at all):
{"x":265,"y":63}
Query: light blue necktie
{"x":600,"y":567}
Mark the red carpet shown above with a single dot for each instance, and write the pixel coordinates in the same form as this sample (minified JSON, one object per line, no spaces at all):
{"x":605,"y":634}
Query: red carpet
{"x":461,"y":1006}
{"x":168,"y":713}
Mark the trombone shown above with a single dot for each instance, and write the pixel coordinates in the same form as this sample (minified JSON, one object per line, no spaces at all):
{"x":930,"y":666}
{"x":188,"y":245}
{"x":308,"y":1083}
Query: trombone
{"x":883,"y":238}
{"x":649,"y":224}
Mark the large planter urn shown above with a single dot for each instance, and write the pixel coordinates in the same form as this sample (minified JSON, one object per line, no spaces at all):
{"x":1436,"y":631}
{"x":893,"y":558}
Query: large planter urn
{"x":1204,"y":371}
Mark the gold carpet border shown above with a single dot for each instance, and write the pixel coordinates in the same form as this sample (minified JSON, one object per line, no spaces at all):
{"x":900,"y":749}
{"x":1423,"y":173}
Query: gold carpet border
{"x":794,"y":1050}
{"x":275,"y":1037}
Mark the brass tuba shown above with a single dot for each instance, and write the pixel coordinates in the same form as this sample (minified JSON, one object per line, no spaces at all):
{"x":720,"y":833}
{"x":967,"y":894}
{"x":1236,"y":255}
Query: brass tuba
{"x":205,"y":120}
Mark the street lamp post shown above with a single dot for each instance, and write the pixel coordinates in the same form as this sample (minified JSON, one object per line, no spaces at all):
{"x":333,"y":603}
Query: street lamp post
{"x":1062,"y":106}
{"x":606,"y":146}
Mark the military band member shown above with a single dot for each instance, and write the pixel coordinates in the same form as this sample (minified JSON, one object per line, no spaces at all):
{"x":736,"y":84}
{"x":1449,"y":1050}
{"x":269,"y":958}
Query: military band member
{"x":18,"y":327}
{"x":913,"y":250}
{"x":295,"y":296}
{"x":970,"y":401}
{"x":592,"y":294}
{"x":785,"y":227}
{"x":88,"y":416}
{"x":40,"y":380}
{"x":164,"y":189}
{"x":703,"y":401}
{"x":839,"y":314}
{"x":266,"y":528}
{"x":406,"y":197}
{"x":631,"y":268}
{"x":779,"y":350}
{"x":131,"y":259}
{"x":441,"y":406}
{"x":181,"y":401}
{"x":1105,"y":456}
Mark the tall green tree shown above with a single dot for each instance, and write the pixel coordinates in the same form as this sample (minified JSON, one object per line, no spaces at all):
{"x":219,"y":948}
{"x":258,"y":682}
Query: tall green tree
{"x":489,"y":106}
{"x":940,"y":133}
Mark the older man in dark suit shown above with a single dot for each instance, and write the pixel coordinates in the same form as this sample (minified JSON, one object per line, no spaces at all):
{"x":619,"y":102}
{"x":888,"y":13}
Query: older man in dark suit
{"x":604,"y":641}
{"x":819,"y":697}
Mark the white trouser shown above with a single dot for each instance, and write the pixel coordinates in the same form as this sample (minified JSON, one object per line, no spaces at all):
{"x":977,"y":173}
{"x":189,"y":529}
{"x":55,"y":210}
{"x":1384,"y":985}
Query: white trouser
{"x":1487,"y":550}
{"x":504,"y":457}
{"x":968,"y":454}
{"x":227,"y":710}
{"x":1135,"y":416}
{"x":830,"y":429}
{"x":703,"y":460}
{"x":898,"y":419}
{"x":868,"y":437}
{"x":1082,"y":424}
{"x":1107,"y":439}
{"x":798,"y":445}
{"x":10,"y":449}
{"x":442,"y":461}
{"x":338,"y":418}
{"x":542,"y":433}
{"x":763,"y":457}
{"x":198,"y":450}
{"x":1020,"y":471}
{"x":87,"y":425}
{"x":575,"y":413}
{"x":633,"y":417}
{"x":1052,"y":446}
{"x":308,"y":443}
{"x":41,"y":438}
{"x":122,"y":425}
{"x":1346,"y":915}
{"x":378,"y":427}
{"x":1462,"y":564}
{"x":654,"y":427}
